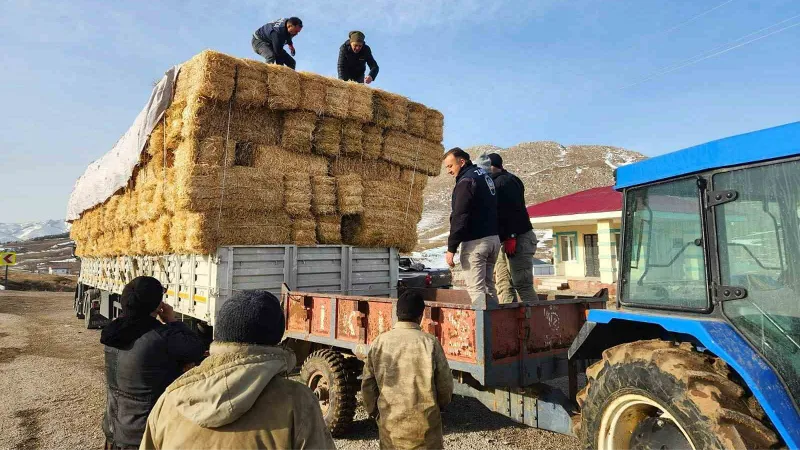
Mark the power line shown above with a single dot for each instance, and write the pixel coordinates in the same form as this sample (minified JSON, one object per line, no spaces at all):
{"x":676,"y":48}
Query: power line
{"x":692,"y":19}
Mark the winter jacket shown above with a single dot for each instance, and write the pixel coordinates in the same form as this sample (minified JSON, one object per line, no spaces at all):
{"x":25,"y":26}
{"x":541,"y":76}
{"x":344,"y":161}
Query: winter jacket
{"x":238,"y":399}
{"x":352,"y":65}
{"x":512,"y":213}
{"x":406,"y":382}
{"x":474,"y":207}
{"x":143,"y":356}
{"x":276,"y":34}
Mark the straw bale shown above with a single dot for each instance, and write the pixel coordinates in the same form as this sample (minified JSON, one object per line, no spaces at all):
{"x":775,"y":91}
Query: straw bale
{"x":367,"y":169}
{"x":283,"y":87}
{"x":157,"y":236}
{"x":360,"y":107}
{"x":349,"y":192}
{"x":390,"y":110}
{"x":110,"y":213}
{"x":204,"y":232}
{"x":251,"y":83}
{"x":209,"y":74}
{"x":416,"y":119}
{"x":323,"y":198}
{"x":298,"y":131}
{"x":313,"y":89}
{"x":122,"y":215}
{"x":415,"y":179}
{"x":304,"y":230}
{"x":279,"y":161}
{"x":434,"y":125}
{"x":352,"y":136}
{"x":412,"y":152}
{"x":372,"y":141}
{"x":298,"y":194}
{"x":204,"y":118}
{"x":337,"y":98}
{"x":379,"y":229}
{"x":122,"y":241}
{"x":207,"y":151}
{"x":173,"y":118}
{"x":207,"y":188}
{"x":329,"y":229}
{"x":393,"y":195}
{"x":327,"y":136}
{"x":147,"y":191}
{"x":156,"y":143}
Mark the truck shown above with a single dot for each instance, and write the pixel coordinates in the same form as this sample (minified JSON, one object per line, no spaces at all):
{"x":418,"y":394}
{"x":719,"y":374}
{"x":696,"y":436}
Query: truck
{"x":415,"y":274}
{"x":701,"y":348}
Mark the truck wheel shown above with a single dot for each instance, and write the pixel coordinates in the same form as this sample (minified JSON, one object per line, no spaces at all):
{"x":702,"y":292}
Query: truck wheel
{"x":331,"y":376}
{"x":660,"y":395}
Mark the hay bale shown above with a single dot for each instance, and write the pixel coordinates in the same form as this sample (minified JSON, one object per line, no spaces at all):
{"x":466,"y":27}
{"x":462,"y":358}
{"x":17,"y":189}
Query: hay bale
{"x":323,"y":195}
{"x":297,"y":195}
{"x":349,"y":192}
{"x":209,"y":188}
{"x":372,"y":142}
{"x":207,"y":231}
{"x":122,"y":241}
{"x":390,"y":110}
{"x":416,"y":119}
{"x":156,"y":234}
{"x":279,"y":161}
{"x":313,"y":89}
{"x":368,"y":169}
{"x":251,"y":83}
{"x":304,"y":230}
{"x":360,"y":107}
{"x":203,"y":118}
{"x":110,"y":213}
{"x":379,"y":229}
{"x":156,"y":146}
{"x":209,"y":74}
{"x":329,"y":229}
{"x":337,"y":98}
{"x":122,"y":216}
{"x":393,"y":195}
{"x":352,"y":136}
{"x":208,"y":151}
{"x":283,"y":90}
{"x":434,"y":125}
{"x":412,"y":152}
{"x":173,"y":118}
{"x":298,"y":131}
{"x":327,"y":136}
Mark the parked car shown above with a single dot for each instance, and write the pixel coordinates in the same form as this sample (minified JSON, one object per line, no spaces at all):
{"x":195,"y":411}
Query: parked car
{"x":415,"y":274}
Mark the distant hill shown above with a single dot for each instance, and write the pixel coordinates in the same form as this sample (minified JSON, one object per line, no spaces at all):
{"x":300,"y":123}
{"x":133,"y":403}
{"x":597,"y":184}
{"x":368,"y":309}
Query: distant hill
{"x":28,"y":230}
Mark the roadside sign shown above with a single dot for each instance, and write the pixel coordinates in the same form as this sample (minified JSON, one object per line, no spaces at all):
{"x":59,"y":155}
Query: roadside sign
{"x":8,"y":258}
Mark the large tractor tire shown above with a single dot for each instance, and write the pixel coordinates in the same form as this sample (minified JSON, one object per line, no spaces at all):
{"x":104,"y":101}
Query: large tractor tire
{"x":660,"y":395}
{"x":334,"y":380}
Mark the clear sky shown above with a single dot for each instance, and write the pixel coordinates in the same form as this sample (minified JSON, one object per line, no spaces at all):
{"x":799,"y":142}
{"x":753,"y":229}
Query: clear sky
{"x":76,"y":73}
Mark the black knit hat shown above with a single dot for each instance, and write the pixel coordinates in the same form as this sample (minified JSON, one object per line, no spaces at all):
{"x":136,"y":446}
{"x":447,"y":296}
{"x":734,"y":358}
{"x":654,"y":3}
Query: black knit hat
{"x":141,"y":296}
{"x":410,"y":306}
{"x":250,"y":317}
{"x":496,"y":160}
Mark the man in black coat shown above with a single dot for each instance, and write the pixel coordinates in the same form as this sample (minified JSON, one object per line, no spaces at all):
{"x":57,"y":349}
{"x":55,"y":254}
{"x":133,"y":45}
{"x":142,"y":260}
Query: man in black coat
{"x":354,"y":56}
{"x":268,"y":41}
{"x":473,"y":224}
{"x":514,"y":269}
{"x":143,"y":356}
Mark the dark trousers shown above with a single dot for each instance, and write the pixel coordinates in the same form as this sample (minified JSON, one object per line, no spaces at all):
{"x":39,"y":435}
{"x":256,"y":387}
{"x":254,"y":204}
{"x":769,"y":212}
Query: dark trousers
{"x":265,"y":50}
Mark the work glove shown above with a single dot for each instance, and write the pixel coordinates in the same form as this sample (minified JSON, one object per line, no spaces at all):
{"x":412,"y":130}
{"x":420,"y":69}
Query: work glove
{"x":291,"y":49}
{"x":510,"y":246}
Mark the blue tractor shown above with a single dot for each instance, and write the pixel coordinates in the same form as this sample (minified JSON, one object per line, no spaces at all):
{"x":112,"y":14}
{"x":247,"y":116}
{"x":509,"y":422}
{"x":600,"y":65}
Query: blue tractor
{"x":703,"y":348}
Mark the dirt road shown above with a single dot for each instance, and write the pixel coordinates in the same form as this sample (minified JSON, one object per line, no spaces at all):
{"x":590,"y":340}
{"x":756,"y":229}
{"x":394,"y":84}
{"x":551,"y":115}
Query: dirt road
{"x":51,"y":377}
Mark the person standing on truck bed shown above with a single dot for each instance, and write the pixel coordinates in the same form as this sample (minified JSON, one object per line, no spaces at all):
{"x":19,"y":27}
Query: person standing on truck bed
{"x":407,"y":381}
{"x":473,"y":224}
{"x":514,"y":270}
{"x":354,"y":56}
{"x":268,"y":41}
{"x":143,"y":356}
{"x":239,"y":398}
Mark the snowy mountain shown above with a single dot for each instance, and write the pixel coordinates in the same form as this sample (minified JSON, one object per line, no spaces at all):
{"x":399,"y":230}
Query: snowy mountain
{"x":10,"y":232}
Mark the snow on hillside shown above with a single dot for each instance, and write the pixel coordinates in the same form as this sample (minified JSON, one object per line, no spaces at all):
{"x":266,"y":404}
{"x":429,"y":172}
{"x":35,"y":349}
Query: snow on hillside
{"x":28,"y":230}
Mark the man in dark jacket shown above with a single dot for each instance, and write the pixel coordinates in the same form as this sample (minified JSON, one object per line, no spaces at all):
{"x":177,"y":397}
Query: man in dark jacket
{"x":268,"y":41}
{"x":354,"y":56}
{"x":514,"y":269}
{"x":143,"y":356}
{"x":473,"y":224}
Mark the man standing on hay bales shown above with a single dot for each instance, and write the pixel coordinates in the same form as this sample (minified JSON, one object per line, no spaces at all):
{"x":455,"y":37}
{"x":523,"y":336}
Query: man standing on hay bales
{"x":354,"y":56}
{"x":514,"y":269}
{"x":268,"y":41}
{"x":473,"y":224}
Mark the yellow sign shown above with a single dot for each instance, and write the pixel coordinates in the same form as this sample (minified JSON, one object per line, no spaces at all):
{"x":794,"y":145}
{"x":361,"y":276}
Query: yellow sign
{"x":8,"y":258}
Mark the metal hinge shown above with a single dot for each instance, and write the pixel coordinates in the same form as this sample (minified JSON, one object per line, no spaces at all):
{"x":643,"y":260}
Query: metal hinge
{"x":725,"y":293}
{"x":714,"y":198}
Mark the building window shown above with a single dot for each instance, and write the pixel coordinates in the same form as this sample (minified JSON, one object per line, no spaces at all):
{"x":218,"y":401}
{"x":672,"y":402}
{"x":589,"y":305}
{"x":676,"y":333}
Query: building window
{"x":567,"y":245}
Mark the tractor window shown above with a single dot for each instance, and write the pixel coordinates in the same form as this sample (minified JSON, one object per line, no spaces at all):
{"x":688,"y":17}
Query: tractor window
{"x":663,"y":252}
{"x":759,"y":246}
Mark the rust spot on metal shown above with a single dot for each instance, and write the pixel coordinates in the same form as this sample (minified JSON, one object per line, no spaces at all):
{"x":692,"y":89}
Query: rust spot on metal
{"x":321,"y":316}
{"x":349,"y":322}
{"x":298,"y":316}
{"x":458,"y":334}
{"x":504,"y":333}
{"x":378,"y":318}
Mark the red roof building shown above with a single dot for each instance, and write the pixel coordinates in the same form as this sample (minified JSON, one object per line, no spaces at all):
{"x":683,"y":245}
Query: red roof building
{"x":597,"y":200}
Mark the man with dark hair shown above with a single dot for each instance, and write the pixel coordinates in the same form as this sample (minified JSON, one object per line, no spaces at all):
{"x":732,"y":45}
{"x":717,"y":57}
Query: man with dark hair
{"x":407,"y":381}
{"x":354,"y":56}
{"x":473,"y":224}
{"x":514,"y":269}
{"x":143,"y":356}
{"x":239,"y":396}
{"x":268,"y":41}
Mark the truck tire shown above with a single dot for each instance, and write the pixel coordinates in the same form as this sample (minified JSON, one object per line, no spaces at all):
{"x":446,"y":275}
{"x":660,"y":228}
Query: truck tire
{"x":334,"y":381}
{"x":657,"y":394}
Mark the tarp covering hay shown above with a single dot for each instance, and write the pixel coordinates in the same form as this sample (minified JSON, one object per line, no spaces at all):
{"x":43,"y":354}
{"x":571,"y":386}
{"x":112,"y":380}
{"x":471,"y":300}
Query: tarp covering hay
{"x":254,"y":154}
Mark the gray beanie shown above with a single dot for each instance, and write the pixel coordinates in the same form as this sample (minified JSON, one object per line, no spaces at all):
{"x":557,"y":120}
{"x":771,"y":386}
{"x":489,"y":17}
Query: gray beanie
{"x":356,"y":36}
{"x":250,"y":317}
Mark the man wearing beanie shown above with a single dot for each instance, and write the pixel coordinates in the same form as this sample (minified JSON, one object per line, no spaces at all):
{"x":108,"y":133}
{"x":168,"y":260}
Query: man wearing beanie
{"x":143,"y":356}
{"x":238,"y":397}
{"x":354,"y":56}
{"x":514,"y":270}
{"x":407,"y":381}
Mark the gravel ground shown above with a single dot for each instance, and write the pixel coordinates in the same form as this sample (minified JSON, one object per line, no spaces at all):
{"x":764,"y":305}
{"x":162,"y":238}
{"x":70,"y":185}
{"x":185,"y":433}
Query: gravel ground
{"x":51,"y":376}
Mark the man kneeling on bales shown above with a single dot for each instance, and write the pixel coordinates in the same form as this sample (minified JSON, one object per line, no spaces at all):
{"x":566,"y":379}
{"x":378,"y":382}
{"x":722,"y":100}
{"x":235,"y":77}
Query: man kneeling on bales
{"x":238,"y":397}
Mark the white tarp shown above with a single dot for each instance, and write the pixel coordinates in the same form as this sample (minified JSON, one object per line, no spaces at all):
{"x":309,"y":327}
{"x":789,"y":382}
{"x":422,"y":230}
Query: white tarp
{"x":112,"y":171}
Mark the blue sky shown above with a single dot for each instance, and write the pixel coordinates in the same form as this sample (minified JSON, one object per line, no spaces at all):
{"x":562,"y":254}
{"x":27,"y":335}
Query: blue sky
{"x":76,"y":73}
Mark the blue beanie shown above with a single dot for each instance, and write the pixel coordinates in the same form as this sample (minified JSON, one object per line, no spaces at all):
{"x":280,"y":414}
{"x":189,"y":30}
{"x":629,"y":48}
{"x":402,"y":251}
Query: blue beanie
{"x":250,"y":317}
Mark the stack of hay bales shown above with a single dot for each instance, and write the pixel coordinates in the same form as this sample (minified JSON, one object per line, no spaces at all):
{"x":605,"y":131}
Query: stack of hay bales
{"x":254,"y":154}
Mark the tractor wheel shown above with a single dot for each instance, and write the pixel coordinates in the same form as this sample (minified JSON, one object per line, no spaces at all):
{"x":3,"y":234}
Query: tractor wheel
{"x":660,"y":395}
{"x":332,"y":378}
